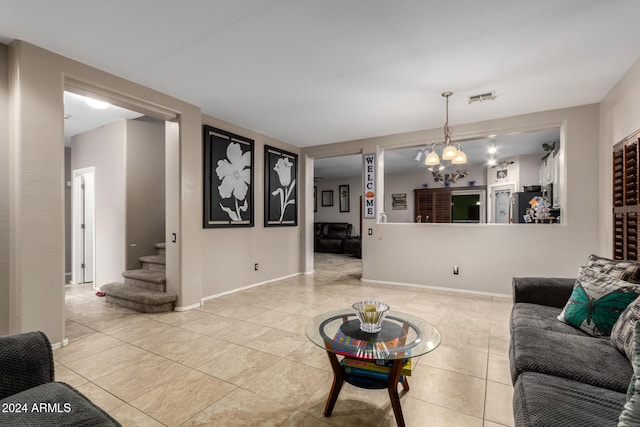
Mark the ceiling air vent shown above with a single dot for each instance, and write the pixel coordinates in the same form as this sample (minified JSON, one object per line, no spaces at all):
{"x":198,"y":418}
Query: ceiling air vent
{"x":489,"y":96}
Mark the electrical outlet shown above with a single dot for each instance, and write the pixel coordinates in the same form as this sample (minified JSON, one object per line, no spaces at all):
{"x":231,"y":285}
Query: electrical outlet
{"x":255,"y":266}
{"x":456,"y":270}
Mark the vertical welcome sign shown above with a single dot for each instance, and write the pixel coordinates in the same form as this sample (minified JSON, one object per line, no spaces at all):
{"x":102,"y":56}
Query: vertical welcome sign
{"x":369,"y":198}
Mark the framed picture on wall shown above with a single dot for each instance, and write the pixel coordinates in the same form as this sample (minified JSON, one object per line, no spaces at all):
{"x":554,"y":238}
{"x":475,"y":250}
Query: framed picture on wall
{"x":228,"y":179}
{"x":327,"y":198}
{"x":343,"y":191}
{"x":280,"y":190}
{"x":399,"y":201}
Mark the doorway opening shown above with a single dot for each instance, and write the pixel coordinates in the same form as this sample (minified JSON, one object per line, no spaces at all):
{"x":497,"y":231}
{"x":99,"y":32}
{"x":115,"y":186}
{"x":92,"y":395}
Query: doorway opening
{"x":83,"y":226}
{"x":337,"y":214}
{"x":116,"y":161}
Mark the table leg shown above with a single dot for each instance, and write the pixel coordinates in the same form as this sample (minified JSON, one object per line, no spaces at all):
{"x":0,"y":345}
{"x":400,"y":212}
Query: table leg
{"x":392,"y":387}
{"x":338,"y":380}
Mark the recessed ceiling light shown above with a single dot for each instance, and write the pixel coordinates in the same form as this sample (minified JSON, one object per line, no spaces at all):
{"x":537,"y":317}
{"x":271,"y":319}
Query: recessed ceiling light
{"x":492,"y":147}
{"x":94,"y":103}
{"x":491,"y":162}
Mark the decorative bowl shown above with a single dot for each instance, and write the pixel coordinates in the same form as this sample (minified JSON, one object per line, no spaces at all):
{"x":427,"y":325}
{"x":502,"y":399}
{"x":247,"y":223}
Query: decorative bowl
{"x":371,"y":315}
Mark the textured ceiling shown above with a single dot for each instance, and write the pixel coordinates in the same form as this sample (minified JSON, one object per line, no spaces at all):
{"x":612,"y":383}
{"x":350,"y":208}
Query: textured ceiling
{"x":311,"y":72}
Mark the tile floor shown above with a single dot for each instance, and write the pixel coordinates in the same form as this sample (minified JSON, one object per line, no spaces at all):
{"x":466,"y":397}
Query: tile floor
{"x":243,"y":359}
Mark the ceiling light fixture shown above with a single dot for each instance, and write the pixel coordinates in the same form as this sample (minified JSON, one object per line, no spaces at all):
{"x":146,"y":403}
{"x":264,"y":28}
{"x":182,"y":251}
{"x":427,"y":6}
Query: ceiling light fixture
{"x":452,"y":151}
{"x":94,"y":103}
{"x":492,"y":147}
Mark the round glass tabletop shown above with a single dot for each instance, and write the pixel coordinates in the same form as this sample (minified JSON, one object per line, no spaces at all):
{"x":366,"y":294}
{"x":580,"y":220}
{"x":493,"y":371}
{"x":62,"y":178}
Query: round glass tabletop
{"x":402,"y":335}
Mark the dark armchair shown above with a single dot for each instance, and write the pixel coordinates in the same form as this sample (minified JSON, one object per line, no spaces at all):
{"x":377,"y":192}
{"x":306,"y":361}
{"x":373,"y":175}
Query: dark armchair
{"x":29,"y":394}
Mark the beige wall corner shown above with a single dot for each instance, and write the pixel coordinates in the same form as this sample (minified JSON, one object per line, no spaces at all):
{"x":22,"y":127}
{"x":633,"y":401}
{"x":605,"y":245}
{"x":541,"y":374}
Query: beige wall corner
{"x":4,"y":190}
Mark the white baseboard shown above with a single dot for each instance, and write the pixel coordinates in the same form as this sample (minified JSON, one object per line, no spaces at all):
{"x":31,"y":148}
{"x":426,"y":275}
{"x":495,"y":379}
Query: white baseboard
{"x":437,"y":288}
{"x":255,"y":285}
{"x":187,"y":307}
{"x":64,"y":343}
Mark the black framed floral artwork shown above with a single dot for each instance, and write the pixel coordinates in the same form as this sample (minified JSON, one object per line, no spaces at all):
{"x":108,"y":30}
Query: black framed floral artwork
{"x":280,"y":184}
{"x":228,"y":179}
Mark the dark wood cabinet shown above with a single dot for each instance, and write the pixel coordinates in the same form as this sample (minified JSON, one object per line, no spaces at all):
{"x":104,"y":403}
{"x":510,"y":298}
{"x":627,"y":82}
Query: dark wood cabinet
{"x":625,"y":199}
{"x":432,"y":205}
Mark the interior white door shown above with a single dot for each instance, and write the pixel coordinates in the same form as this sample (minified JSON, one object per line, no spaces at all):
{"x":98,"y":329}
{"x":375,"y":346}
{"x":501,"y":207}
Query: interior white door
{"x":83,"y":226}
{"x":501,"y":203}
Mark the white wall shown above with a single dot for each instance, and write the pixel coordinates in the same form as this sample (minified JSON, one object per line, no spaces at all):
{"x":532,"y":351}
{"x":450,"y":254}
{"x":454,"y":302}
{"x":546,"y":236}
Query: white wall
{"x":228,"y":255}
{"x":145,"y":188}
{"x":104,"y":149}
{"x":129,"y":186}
{"x":489,"y":255}
{"x":4,"y":192}
{"x":619,"y":119}
{"x":529,"y":168}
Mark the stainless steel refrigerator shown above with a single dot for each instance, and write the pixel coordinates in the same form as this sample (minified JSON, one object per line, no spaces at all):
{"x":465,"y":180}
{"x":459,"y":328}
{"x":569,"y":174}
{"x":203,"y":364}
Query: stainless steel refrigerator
{"x":521,"y":204}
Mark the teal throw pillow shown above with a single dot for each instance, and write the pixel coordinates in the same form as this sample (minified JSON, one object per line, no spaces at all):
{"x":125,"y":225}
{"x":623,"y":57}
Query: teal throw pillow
{"x":597,"y":301}
{"x":630,"y":416}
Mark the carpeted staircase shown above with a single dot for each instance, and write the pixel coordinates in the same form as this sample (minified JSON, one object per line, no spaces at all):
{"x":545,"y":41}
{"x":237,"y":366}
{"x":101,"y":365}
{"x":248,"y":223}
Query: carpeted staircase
{"x":145,"y":289}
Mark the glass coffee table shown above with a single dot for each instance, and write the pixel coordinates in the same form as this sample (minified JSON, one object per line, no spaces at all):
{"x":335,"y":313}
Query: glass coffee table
{"x":402,"y":337}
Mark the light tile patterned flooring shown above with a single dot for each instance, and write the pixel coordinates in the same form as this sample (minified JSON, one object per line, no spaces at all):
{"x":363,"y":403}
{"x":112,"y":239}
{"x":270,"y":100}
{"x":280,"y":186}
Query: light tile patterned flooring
{"x":243,"y":359}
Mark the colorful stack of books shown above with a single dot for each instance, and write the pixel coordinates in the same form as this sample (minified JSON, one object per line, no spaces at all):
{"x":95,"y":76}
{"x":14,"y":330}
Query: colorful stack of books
{"x":348,"y":346}
{"x":378,"y":369}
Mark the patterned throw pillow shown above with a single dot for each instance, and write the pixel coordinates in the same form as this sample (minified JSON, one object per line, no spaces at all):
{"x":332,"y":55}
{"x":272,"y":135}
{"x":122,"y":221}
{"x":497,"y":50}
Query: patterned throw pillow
{"x":622,"y":332}
{"x":629,"y":271}
{"x":597,"y":301}
{"x":630,"y":415}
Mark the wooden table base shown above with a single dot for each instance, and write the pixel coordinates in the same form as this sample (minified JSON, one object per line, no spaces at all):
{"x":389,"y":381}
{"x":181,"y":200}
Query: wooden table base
{"x":392,"y":387}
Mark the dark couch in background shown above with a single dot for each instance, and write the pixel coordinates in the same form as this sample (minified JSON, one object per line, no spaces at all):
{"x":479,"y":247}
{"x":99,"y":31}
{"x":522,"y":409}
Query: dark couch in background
{"x":330,"y":236}
{"x":561,"y":375}
{"x":29,"y":395}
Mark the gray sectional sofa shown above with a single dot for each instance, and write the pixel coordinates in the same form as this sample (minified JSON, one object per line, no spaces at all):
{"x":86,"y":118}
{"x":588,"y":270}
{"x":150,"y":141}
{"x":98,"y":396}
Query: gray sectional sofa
{"x":561,"y":375}
{"x":29,"y":394}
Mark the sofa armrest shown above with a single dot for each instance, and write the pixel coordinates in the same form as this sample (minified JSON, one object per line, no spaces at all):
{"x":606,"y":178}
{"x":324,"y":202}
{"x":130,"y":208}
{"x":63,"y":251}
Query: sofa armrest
{"x":26,"y":361}
{"x":549,"y":291}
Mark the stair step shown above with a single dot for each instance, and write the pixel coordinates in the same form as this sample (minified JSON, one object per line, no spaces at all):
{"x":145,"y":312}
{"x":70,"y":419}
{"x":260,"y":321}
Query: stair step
{"x":146,"y":279}
{"x":161,"y":248}
{"x":143,"y":300}
{"x":153,"y":262}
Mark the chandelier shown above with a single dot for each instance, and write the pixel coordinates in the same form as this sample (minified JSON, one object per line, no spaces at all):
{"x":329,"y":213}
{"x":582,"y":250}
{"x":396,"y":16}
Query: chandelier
{"x":451,"y":152}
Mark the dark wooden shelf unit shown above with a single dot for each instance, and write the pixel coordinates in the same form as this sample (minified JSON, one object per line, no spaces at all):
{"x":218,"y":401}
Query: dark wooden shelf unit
{"x":626,"y":199}
{"x":433,"y":205}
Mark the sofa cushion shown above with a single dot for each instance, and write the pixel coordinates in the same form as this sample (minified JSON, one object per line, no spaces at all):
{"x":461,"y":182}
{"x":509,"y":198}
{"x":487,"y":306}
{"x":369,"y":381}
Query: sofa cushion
{"x":56,"y":404}
{"x":337,"y":230}
{"x":581,"y":358}
{"x":626,"y":270}
{"x":597,"y":301}
{"x":630,"y":415}
{"x":540,"y":317}
{"x":622,"y":332}
{"x":543,"y":400}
